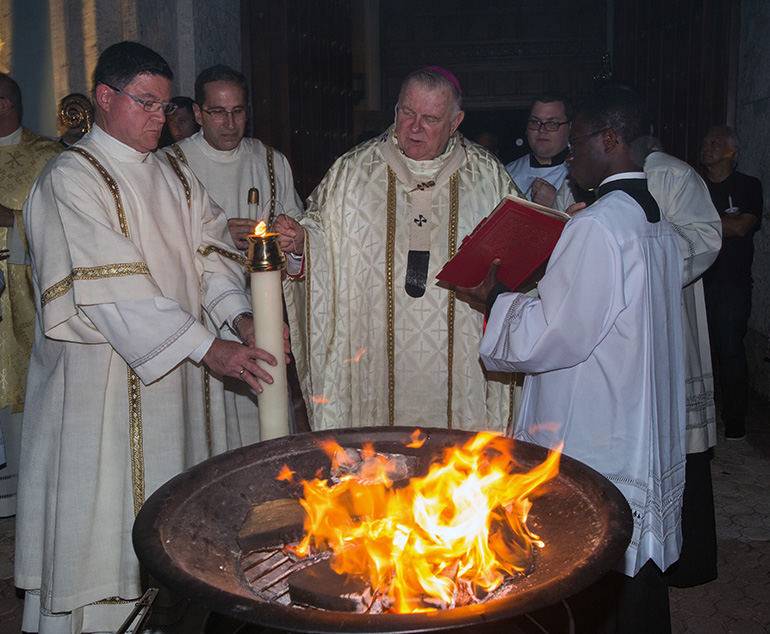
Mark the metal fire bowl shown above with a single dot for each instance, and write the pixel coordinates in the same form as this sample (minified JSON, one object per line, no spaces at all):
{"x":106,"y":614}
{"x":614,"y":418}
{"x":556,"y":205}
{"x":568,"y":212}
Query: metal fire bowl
{"x":185,"y":534}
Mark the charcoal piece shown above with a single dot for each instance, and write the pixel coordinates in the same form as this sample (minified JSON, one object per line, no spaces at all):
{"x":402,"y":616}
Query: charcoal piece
{"x":320,"y":587}
{"x":272,"y":524}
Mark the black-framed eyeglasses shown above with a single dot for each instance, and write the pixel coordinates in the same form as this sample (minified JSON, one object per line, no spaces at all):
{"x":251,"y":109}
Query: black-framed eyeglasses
{"x":571,"y":142}
{"x":220,"y":114}
{"x":550,"y":126}
{"x":168,"y":107}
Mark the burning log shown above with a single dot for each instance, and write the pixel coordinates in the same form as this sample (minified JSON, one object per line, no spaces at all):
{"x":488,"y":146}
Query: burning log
{"x":272,"y":523}
{"x":319,"y":586}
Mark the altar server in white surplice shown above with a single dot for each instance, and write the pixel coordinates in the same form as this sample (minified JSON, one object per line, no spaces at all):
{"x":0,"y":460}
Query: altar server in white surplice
{"x":127,"y":251}
{"x":686,"y":203}
{"x":229,"y":165}
{"x":377,"y":342}
{"x":602,"y":349}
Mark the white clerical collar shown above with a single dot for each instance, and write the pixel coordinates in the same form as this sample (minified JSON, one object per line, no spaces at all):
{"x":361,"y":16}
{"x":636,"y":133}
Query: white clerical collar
{"x":14,"y":138}
{"x":623,"y":176}
{"x":117,"y":149}
{"x":428,"y":167}
{"x":209,"y":150}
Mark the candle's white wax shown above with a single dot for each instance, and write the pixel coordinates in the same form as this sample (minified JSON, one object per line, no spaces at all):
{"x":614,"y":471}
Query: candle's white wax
{"x":266,"y":300}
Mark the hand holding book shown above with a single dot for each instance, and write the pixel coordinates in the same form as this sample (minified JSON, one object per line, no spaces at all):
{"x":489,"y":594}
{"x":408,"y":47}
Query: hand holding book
{"x":519,"y":233}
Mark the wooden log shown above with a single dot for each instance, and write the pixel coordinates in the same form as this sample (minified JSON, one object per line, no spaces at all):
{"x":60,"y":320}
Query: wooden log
{"x":272,"y":524}
{"x":320,"y":587}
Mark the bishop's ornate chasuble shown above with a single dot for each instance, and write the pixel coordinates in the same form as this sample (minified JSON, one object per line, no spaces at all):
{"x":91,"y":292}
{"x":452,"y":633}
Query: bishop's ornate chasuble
{"x":20,"y":163}
{"x":601,"y":347}
{"x":377,"y":342}
{"x":227,"y":177}
{"x":109,"y":225}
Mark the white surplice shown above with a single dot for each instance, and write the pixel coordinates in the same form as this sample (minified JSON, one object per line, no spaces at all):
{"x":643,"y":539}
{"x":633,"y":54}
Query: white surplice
{"x":599,"y":346}
{"x":228,"y":175}
{"x":686,"y":203}
{"x":522,"y":173}
{"x":111,"y":415}
{"x":340,"y":330}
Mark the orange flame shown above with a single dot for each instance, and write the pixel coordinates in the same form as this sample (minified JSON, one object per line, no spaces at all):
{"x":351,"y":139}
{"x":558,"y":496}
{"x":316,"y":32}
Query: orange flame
{"x":286,"y":474}
{"x":417,"y":442}
{"x":260,"y":229}
{"x":464,"y":522}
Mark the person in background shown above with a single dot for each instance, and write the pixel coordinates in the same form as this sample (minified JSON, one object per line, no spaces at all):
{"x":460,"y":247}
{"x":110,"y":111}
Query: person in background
{"x":541,"y":173}
{"x":180,"y":124}
{"x":377,"y":342}
{"x":22,"y":155}
{"x":739,"y":201}
{"x":229,"y":165}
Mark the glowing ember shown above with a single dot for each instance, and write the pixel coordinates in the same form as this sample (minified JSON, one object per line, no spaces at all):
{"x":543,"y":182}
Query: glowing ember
{"x":459,"y":530}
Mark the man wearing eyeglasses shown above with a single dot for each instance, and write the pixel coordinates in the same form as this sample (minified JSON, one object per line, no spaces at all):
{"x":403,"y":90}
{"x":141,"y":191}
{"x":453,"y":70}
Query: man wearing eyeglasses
{"x":541,"y":173}
{"x":127,"y":252}
{"x":229,"y":165}
{"x":603,"y":352}
{"x":377,"y":341}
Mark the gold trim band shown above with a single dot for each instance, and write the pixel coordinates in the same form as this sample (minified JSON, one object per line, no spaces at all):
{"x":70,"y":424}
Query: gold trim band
{"x":92,"y":273}
{"x":454,"y":208}
{"x":390,"y":305}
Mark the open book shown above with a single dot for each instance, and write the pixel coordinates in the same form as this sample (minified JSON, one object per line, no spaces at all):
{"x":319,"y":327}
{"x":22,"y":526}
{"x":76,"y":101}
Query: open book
{"x":522,"y":234}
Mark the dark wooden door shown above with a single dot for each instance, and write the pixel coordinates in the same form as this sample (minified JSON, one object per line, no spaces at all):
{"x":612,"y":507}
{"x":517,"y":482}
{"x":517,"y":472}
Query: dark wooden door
{"x":683,"y":56}
{"x":297,"y":56}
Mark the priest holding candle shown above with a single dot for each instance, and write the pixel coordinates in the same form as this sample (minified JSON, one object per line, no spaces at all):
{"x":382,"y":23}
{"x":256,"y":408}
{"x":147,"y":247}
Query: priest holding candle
{"x":128,"y":251}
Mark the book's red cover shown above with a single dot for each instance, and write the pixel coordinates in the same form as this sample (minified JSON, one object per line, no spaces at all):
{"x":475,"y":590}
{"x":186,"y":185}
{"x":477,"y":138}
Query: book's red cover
{"x":520,"y":233}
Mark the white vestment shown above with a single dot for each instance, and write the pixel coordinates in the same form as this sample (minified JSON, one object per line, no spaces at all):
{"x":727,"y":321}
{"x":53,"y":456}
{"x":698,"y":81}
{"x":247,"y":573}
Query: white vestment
{"x":599,"y":346}
{"x":367,"y":352}
{"x":111,"y":417}
{"x":228,"y":176}
{"x":685,"y":202}
{"x":523,"y":173}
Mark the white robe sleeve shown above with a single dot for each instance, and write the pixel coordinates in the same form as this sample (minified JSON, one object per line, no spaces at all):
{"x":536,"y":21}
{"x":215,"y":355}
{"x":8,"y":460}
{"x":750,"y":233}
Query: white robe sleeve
{"x":581,"y":295}
{"x":153,"y":335}
{"x":686,"y":203}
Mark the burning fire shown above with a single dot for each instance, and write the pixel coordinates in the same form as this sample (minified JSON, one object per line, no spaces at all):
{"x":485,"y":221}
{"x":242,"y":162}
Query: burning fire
{"x":459,"y":529}
{"x":260,"y":229}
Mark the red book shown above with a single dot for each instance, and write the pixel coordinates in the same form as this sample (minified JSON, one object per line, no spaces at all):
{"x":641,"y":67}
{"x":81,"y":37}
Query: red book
{"x":522,"y":234}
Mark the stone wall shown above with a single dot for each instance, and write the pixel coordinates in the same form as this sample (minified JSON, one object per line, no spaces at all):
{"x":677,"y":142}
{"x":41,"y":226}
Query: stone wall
{"x":189,"y":34}
{"x":753,"y":122}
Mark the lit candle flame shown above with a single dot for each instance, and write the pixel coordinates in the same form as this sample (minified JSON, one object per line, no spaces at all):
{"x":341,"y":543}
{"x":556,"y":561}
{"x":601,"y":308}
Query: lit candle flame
{"x":260,"y":229}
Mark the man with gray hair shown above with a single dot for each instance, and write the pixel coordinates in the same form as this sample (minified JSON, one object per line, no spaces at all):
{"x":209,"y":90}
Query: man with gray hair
{"x":727,"y":284}
{"x":377,"y":342}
